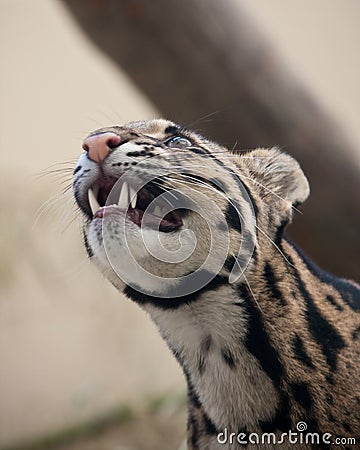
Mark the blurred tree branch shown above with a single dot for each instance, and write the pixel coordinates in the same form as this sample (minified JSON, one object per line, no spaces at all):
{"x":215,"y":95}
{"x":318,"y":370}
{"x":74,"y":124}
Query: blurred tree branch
{"x":205,"y":65}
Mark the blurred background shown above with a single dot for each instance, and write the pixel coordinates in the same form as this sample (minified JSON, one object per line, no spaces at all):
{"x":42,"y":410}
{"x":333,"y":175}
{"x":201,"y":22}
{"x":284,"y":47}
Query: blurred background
{"x":80,"y":366}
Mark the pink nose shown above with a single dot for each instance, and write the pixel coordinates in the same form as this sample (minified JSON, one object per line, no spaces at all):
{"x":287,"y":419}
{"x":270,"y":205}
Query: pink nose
{"x":99,"y":145}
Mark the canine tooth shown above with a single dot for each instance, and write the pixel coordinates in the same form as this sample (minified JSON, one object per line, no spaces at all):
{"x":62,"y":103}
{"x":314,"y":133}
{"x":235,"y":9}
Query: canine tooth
{"x":95,"y":188}
{"x":124,"y":196}
{"x":157,"y":211}
{"x":94,"y":204}
{"x":133,"y":196}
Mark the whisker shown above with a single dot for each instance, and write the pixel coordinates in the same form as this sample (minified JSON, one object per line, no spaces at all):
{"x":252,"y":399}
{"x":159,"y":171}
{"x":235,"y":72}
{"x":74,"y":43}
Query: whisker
{"x":261,"y":231}
{"x":72,"y":273}
{"x":60,"y":179}
{"x":194,"y":181}
{"x":67,"y":189}
{"x":65,"y":180}
{"x":54,"y":169}
{"x":207,"y":116}
{"x":271,"y":192}
{"x":69,"y":214}
{"x":47,"y":208}
{"x":275,"y":245}
{"x":251,"y":291}
{"x":76,"y":216}
{"x":225,"y":154}
{"x":97,"y":123}
{"x":70,"y":162}
{"x":234,"y":146}
{"x":248,"y":178}
{"x":164,"y":190}
{"x":202,"y":183}
{"x":62,"y":169}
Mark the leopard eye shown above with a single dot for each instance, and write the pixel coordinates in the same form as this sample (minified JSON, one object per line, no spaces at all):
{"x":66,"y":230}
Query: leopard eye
{"x":179,"y":142}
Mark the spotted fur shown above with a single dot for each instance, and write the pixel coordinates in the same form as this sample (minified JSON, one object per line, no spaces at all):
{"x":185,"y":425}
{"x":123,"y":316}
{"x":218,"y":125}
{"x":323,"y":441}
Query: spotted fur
{"x":278,"y":345}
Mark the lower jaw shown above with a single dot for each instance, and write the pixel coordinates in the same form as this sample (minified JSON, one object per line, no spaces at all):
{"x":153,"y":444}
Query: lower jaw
{"x":136,"y":217}
{"x":106,"y":210}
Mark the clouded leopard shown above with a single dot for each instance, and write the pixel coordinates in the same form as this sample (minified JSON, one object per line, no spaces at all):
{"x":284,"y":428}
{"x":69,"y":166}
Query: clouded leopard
{"x":194,"y":234}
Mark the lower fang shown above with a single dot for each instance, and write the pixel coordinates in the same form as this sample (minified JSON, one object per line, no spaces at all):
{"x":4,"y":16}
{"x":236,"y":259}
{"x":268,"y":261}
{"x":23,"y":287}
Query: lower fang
{"x":133,"y":197}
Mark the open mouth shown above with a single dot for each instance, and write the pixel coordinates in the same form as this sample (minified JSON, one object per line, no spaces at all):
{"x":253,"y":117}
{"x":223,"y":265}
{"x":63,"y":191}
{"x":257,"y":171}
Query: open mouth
{"x":111,"y":192}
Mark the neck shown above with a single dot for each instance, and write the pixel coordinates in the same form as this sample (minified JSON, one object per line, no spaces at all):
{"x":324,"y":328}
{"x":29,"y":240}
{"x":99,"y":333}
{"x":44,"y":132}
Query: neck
{"x":209,"y":337}
{"x":242,"y":347}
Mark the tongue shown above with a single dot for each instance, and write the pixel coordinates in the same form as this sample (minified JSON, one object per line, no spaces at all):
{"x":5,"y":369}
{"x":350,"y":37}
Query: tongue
{"x":170,"y":222}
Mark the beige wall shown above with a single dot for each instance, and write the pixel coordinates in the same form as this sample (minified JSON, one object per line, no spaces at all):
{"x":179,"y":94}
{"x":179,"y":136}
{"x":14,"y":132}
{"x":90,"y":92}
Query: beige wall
{"x":69,"y":345}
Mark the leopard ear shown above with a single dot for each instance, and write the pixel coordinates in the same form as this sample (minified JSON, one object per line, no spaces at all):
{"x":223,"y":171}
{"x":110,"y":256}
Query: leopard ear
{"x":278,"y":178}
